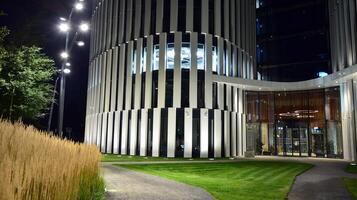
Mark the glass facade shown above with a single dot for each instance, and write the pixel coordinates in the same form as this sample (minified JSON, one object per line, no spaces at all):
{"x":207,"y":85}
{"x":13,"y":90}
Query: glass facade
{"x":295,"y":123}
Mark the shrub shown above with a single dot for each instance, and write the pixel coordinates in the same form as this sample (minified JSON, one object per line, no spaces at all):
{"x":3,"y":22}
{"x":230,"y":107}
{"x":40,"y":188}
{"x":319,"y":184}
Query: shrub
{"x":36,"y":165}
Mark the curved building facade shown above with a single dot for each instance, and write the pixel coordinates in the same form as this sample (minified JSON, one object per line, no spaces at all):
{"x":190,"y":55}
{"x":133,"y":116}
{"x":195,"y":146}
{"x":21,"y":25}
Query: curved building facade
{"x":176,"y":78}
{"x":151,"y":91}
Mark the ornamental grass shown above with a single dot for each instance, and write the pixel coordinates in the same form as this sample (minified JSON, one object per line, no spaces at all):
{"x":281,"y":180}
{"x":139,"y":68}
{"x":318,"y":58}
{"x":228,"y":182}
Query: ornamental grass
{"x":35,"y":165}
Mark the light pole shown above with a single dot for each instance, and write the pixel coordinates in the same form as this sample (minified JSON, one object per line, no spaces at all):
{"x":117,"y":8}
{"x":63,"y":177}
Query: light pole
{"x":65,"y":27}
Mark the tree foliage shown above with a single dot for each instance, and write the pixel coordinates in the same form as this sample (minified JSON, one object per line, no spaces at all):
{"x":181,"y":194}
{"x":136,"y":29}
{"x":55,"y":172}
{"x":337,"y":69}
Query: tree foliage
{"x":25,"y":75}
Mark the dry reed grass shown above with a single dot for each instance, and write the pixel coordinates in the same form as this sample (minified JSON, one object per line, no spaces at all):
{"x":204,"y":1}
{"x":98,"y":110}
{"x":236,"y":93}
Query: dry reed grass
{"x":35,"y":165}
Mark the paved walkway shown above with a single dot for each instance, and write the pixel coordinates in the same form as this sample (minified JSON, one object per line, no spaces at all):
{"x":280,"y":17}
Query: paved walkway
{"x":322,"y":182}
{"x":125,"y":184}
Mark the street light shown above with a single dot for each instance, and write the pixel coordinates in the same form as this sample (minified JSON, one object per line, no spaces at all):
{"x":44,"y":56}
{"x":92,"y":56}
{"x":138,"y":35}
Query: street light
{"x":64,"y":55}
{"x":64,"y":27}
{"x":80,"y":43}
{"x":67,"y":71}
{"x":84,"y":27}
{"x":79,"y":6}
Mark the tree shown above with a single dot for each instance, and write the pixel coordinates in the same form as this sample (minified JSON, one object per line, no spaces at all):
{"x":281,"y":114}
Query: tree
{"x":25,"y":75}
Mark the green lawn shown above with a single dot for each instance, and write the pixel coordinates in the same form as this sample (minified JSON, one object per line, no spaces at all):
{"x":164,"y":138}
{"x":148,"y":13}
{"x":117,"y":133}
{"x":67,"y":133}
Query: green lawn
{"x":125,"y":158}
{"x":351,"y":169}
{"x":351,"y":186}
{"x":240,"y":180}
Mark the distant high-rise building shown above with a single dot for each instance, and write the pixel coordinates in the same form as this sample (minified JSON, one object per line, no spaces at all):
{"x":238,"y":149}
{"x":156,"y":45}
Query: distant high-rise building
{"x":292,"y":39}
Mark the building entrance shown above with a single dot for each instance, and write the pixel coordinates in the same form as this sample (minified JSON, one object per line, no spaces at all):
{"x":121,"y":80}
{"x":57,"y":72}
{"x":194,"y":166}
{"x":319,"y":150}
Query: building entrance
{"x":295,"y":123}
{"x":292,"y":139}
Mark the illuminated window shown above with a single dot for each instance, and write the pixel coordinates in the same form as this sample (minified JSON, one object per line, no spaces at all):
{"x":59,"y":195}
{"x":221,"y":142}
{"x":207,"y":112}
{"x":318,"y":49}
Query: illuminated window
{"x":133,"y":63}
{"x":200,"y":57}
{"x":322,"y":74}
{"x":170,"y":56}
{"x":143,"y":60}
{"x":186,"y":56}
{"x":155,"y":65}
{"x":214,"y":59}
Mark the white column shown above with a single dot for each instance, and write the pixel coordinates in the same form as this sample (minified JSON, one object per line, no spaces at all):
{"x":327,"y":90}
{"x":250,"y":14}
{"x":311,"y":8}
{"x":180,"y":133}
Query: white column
{"x":217,"y":17}
{"x":234,"y":134}
{"x":173,"y":15}
{"x":189,"y":15}
{"x":220,"y":96}
{"x":162,"y":71}
{"x":208,"y":72}
{"x":348,"y":121}
{"x":227,"y":134}
{"x":129,"y":82}
{"x":124,"y":133}
{"x":147,"y":22}
{"x":133,"y":132}
{"x":204,"y":16}
{"x":121,"y":89}
{"x":244,"y":134}
{"x":188,"y":133}
{"x":204,"y":133}
{"x":116,"y":132}
{"x":144,"y":132}
{"x":177,"y":71}
{"x":104,"y":132}
{"x":148,"y":78}
{"x":193,"y":70}
{"x":129,"y":18}
{"x":138,"y":12}
{"x":171,"y":133}
{"x":217,"y":134}
{"x":110,"y":132}
{"x":156,"y":132}
{"x":98,"y":129}
{"x":139,"y":49}
{"x":159,"y":15}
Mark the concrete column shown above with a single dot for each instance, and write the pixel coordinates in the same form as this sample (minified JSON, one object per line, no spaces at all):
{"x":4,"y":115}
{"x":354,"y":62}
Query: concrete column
{"x":116,"y":145}
{"x":171,"y":133}
{"x":144,"y":132}
{"x":156,"y":132}
{"x":188,"y":133}
{"x":204,"y":133}
{"x":218,"y":133}
{"x":348,"y":121}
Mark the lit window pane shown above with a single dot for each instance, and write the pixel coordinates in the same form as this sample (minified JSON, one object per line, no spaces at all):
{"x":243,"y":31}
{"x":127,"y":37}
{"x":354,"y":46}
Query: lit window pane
{"x":133,"y":63}
{"x":170,"y":56}
{"x":186,"y":56}
{"x":155,"y":65}
{"x":143,"y":61}
{"x":214,"y":60}
{"x":200,"y":57}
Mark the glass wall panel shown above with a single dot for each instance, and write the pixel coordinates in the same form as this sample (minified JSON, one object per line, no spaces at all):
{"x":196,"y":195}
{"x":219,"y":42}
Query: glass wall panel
{"x":333,"y":123}
{"x":186,"y":56}
{"x":295,"y":123}
{"x":155,"y":65}
{"x":170,"y":56}
{"x":200,"y":57}
{"x":267,"y":119}
{"x":317,"y":123}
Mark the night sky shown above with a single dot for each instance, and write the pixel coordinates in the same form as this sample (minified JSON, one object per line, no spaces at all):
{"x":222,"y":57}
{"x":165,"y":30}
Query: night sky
{"x":34,"y":22}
